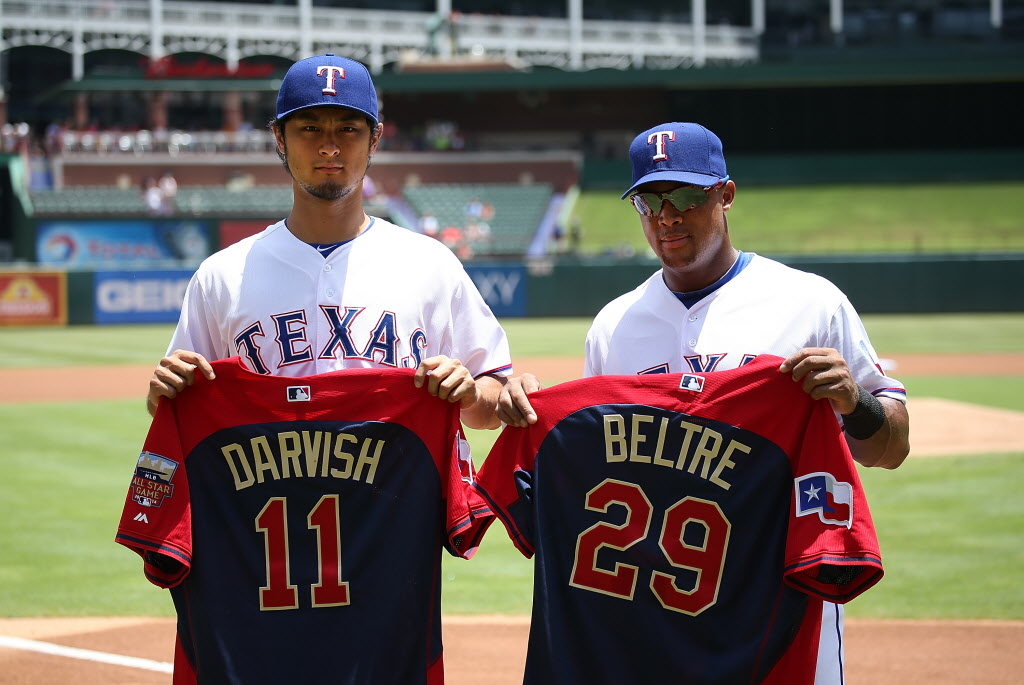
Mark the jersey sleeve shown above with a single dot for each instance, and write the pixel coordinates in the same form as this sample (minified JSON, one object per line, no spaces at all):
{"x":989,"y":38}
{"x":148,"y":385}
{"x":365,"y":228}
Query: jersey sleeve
{"x":848,"y":335}
{"x":156,"y":520}
{"x":832,"y":550}
{"x":505,"y":486}
{"x":468,"y":514}
{"x":480,"y":342}
{"x":194,"y":331}
{"x":592,"y":355}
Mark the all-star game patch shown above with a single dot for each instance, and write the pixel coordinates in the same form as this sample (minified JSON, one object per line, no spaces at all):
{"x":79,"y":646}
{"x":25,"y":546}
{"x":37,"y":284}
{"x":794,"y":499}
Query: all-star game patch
{"x":152,"y":480}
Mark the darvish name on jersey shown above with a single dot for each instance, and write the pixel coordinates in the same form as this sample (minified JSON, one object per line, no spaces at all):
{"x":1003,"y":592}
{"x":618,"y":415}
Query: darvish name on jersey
{"x":686,"y":527}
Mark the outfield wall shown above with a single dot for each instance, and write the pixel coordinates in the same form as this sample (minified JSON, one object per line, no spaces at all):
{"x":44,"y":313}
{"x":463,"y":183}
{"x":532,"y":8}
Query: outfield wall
{"x":875,"y":284}
{"x":839,"y":168}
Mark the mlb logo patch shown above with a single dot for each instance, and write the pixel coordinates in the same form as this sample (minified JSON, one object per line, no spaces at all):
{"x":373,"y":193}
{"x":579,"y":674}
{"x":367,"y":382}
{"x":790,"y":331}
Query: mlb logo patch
{"x":299,"y":393}
{"x":820,"y":493}
{"x":691,"y":382}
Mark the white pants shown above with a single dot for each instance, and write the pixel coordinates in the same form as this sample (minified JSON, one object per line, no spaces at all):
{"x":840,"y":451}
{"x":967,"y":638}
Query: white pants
{"x":830,"y":646}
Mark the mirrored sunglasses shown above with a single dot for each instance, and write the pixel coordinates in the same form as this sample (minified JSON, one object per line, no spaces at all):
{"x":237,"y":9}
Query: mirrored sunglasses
{"x":682,"y":198}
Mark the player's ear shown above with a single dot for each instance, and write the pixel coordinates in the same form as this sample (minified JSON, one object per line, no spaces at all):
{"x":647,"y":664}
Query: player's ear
{"x":375,"y":135}
{"x":278,"y":128}
{"x":728,"y":195}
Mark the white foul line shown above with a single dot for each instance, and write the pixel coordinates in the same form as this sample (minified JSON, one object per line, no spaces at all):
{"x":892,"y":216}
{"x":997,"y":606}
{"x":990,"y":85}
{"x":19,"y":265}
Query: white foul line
{"x":86,"y":654}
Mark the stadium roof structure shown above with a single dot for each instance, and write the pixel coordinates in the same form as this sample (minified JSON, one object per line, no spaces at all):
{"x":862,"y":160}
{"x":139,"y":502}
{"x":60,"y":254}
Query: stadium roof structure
{"x":108,"y":84}
{"x":874,"y":71}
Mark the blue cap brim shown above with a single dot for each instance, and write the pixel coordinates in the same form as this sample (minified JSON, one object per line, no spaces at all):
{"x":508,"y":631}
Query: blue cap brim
{"x":281,"y":117}
{"x":703,"y":180}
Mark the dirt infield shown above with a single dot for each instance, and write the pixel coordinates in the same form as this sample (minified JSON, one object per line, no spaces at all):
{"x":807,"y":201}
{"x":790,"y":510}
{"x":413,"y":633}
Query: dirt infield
{"x":77,"y":383}
{"x":491,"y":650}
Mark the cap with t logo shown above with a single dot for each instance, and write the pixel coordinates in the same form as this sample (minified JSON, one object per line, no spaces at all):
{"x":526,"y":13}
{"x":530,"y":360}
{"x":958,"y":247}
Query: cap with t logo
{"x":686,"y":153}
{"x":327,"y":81}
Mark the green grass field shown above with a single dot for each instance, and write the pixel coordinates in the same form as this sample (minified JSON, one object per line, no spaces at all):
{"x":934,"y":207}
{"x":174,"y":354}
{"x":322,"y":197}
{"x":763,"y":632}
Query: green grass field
{"x":941,"y":217}
{"x":145,"y":344}
{"x":951,"y":528}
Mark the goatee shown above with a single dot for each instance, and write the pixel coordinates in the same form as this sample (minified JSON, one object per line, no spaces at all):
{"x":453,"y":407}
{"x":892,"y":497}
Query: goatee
{"x":328,"y":190}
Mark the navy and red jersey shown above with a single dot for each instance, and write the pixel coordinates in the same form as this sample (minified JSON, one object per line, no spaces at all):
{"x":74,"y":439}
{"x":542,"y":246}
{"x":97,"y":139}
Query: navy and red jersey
{"x":686,"y":527}
{"x":299,"y":524}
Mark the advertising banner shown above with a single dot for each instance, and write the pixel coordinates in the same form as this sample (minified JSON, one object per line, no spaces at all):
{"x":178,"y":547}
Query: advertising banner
{"x":106,"y":243}
{"x":503,"y":287}
{"x":33,"y":298}
{"x":140,"y":296}
{"x":233,"y":231}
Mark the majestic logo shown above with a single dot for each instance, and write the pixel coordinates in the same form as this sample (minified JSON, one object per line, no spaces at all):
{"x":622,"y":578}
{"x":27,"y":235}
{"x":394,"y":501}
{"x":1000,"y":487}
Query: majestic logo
{"x":658,"y":138}
{"x":141,"y":517}
{"x":152,"y":481}
{"x":691,"y":382}
{"x":299,"y":393}
{"x":332,"y":73}
{"x":832,"y":500}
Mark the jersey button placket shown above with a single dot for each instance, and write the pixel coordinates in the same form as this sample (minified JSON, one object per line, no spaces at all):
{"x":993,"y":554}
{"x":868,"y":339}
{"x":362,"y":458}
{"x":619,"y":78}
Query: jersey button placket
{"x":692,"y":326}
{"x":326,"y":282}
{"x":325,"y":333}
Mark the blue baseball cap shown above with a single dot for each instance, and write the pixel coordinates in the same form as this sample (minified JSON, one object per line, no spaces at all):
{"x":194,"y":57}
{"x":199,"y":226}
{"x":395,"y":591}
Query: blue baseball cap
{"x":687,"y":153}
{"x":327,"y":81}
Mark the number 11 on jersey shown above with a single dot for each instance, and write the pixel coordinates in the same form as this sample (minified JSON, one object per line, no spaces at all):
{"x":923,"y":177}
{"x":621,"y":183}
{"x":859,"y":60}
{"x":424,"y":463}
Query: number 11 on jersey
{"x":279,"y":593}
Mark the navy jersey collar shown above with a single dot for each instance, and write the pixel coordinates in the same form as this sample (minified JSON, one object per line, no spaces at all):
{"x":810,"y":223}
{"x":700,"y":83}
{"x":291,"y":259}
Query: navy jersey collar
{"x":692,"y":298}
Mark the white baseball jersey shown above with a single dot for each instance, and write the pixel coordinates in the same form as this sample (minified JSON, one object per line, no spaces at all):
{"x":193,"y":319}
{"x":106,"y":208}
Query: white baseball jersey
{"x":765,"y":308}
{"x":387,"y":298}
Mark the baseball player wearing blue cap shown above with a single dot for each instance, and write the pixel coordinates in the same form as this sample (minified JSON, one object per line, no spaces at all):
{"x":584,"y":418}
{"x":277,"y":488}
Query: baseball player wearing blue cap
{"x":329,"y":287}
{"x":326,"y":289}
{"x":713,"y":307}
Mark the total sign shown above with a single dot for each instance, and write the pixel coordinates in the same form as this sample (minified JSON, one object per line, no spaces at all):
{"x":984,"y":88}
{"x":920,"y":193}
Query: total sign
{"x":140,"y":296}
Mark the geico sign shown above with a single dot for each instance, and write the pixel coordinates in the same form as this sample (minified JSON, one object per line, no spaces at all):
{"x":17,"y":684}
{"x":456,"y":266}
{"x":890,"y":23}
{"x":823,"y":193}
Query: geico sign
{"x":141,"y":295}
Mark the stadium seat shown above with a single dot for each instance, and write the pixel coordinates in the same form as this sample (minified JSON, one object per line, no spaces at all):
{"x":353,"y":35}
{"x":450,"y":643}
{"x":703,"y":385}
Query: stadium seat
{"x":512,"y":212}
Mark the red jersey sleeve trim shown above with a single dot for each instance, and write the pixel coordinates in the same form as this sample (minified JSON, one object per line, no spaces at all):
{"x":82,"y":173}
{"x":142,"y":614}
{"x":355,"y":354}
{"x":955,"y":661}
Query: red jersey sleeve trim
{"x":517,"y":537}
{"x":155,"y":575}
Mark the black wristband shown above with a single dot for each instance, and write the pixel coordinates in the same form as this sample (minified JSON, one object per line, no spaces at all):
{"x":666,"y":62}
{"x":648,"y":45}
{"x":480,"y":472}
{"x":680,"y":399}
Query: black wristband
{"x":866,"y":419}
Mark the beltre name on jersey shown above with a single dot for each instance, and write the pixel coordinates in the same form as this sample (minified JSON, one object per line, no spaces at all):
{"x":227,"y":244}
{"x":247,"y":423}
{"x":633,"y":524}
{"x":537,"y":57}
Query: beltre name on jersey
{"x":654,"y":440}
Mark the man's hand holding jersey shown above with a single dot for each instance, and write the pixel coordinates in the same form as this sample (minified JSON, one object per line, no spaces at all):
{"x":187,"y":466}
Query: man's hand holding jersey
{"x":876,"y":428}
{"x":443,"y":377}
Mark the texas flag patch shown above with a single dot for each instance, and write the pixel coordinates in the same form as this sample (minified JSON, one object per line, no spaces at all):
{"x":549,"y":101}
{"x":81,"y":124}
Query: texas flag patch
{"x":831,"y":499}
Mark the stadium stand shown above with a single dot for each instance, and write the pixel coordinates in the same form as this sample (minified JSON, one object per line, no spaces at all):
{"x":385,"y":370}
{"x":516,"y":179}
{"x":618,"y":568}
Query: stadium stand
{"x":88,"y":200}
{"x":262,"y":201}
{"x":491,"y":218}
{"x":257,"y":201}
